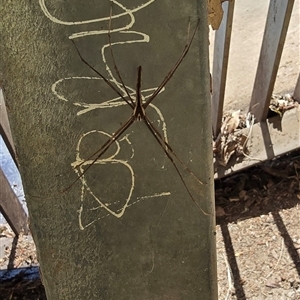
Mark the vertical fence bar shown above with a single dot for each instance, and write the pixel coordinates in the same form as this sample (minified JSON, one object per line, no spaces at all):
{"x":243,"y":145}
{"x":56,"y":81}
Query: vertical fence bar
{"x":5,"y":131}
{"x":11,"y":207}
{"x":278,"y":19}
{"x":296,"y":94}
{"x":220,"y":63}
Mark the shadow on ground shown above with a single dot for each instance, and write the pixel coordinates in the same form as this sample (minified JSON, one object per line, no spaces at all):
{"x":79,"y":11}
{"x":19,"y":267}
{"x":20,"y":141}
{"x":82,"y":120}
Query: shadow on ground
{"x":265,"y":189}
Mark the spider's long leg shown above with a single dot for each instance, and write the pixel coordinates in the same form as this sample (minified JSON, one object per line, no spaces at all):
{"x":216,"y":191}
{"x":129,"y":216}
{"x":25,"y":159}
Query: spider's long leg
{"x":164,"y":144}
{"x":101,"y":151}
{"x":103,"y":77}
{"x":138,"y":112}
{"x":171,"y":73}
{"x":167,"y":145}
{"x":113,"y":59}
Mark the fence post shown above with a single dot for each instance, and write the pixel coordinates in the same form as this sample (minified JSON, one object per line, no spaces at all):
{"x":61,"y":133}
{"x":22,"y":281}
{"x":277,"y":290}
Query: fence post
{"x":128,"y":228}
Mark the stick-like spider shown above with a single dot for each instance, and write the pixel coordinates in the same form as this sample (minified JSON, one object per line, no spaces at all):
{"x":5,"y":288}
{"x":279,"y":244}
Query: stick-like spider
{"x":139,"y":109}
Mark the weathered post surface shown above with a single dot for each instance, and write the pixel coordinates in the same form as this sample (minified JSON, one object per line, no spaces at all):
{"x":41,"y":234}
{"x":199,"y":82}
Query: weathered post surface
{"x":127,"y":228}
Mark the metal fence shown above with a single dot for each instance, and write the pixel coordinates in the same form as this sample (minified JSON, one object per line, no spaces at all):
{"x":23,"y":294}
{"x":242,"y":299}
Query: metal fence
{"x":264,"y":138}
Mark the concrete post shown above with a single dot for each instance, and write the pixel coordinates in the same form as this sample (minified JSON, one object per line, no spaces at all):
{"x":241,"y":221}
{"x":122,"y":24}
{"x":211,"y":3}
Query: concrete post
{"x":128,"y":228}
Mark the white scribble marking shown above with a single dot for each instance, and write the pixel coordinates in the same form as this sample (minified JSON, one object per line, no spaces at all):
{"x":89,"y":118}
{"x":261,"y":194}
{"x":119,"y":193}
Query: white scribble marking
{"x":80,"y":210}
{"x":126,"y":12}
{"x":126,"y":138}
{"x":79,"y":163}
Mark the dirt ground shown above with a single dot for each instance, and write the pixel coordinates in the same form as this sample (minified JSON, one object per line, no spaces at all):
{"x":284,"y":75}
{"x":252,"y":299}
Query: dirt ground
{"x":258,"y":237}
